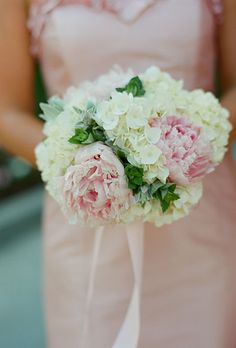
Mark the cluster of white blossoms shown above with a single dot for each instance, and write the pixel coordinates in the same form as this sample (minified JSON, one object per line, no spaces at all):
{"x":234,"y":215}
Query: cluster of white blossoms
{"x":55,"y":153}
{"x":173,"y":135}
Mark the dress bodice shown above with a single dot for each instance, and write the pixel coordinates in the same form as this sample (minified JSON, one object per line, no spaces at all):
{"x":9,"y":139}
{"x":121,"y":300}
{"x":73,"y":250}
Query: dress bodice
{"x":80,"y":39}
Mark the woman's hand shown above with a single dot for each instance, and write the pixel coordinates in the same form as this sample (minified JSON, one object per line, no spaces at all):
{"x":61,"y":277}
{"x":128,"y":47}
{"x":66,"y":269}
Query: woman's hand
{"x":20,"y":131}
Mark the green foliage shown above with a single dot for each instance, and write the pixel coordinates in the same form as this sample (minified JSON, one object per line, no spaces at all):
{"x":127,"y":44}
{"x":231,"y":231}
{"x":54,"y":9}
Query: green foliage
{"x":81,"y":135}
{"x":120,"y":154}
{"x":134,"y":86}
{"x":87,"y":131}
{"x":165,"y":193}
{"x":51,"y":109}
{"x":134,"y":176}
{"x":98,"y":133}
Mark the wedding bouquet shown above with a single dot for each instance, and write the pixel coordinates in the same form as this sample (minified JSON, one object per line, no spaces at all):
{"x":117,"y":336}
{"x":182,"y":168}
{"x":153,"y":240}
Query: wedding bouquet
{"x":127,"y":147}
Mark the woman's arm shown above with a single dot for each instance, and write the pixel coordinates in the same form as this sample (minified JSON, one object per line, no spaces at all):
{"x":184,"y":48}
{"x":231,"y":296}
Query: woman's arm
{"x":228,"y":59}
{"x":20,"y":131}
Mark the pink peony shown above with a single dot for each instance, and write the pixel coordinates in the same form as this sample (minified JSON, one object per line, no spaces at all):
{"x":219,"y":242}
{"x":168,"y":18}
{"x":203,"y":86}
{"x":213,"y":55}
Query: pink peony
{"x":187,"y":153}
{"x":95,"y":187}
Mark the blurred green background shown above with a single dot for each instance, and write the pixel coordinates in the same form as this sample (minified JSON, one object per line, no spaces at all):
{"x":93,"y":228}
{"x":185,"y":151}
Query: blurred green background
{"x":21,"y":194}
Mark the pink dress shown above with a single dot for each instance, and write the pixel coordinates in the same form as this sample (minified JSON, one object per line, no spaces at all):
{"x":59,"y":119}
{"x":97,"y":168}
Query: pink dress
{"x":188,"y":292}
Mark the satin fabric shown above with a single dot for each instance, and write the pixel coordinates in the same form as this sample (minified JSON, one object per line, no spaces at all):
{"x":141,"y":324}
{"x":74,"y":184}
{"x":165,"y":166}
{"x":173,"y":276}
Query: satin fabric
{"x":189,"y":281}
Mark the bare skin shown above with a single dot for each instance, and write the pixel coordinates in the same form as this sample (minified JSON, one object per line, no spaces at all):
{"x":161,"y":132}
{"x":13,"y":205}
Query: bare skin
{"x":20,"y":131}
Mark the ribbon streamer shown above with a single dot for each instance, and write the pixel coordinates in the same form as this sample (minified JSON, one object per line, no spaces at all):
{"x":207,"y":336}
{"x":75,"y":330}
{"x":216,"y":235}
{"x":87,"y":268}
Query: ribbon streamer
{"x":128,"y":335}
{"x":96,"y":248}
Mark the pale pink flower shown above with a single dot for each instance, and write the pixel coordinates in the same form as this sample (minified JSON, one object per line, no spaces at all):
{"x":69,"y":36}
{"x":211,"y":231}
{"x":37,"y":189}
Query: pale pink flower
{"x":187,"y":152}
{"x":95,"y":187}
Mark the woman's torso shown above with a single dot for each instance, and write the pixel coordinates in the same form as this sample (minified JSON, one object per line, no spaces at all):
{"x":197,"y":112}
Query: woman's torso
{"x":188,"y":282}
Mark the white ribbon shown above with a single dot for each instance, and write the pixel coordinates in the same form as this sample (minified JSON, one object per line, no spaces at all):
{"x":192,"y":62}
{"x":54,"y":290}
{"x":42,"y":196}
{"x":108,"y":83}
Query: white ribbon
{"x":96,"y":248}
{"x":128,"y":335}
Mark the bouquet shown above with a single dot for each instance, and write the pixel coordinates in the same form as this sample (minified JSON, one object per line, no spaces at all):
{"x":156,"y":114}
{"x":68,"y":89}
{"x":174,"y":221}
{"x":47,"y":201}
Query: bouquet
{"x":128,"y":147}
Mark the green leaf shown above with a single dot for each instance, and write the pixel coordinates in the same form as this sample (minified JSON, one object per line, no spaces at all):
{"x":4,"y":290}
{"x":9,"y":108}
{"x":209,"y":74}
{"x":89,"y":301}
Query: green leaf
{"x":121,"y":155}
{"x":134,"y":86}
{"x":134,"y":175}
{"x":77,"y":110}
{"x":165,"y":194}
{"x":156,"y":186}
{"x":171,"y":187}
{"x":90,"y":140}
{"x":164,"y":206}
{"x":57,"y":102}
{"x":168,"y":199}
{"x":98,"y":134}
{"x":157,"y":195}
{"x":51,"y":109}
{"x":90,"y":107}
{"x":144,"y":189}
{"x":81,"y":135}
{"x":142,"y":194}
{"x":81,"y":125}
{"x":131,"y":185}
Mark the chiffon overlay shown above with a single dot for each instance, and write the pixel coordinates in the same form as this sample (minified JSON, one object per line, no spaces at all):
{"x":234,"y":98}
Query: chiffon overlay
{"x":188,"y":290}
